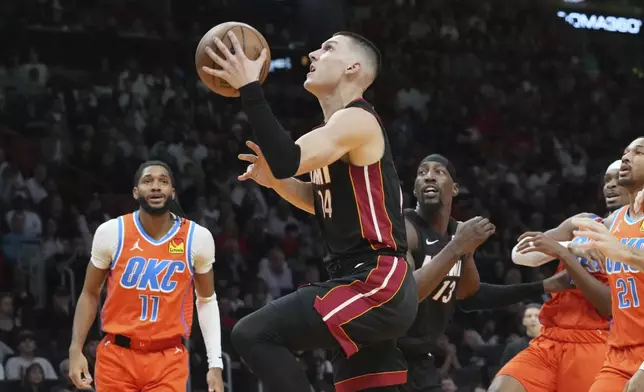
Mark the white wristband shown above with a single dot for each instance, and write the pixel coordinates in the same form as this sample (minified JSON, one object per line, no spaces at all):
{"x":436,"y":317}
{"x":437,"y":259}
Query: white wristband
{"x":208,"y":315}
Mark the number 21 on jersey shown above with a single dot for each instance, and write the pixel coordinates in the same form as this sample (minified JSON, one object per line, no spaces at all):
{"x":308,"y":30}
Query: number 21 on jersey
{"x":627,"y":293}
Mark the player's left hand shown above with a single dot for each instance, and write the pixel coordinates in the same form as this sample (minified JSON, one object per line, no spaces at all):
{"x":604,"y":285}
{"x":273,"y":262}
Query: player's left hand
{"x":215,"y":380}
{"x":236,"y":69}
{"x":636,"y":383}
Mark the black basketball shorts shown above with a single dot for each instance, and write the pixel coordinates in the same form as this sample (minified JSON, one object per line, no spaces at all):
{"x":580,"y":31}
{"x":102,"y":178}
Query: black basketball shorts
{"x":365,"y":312}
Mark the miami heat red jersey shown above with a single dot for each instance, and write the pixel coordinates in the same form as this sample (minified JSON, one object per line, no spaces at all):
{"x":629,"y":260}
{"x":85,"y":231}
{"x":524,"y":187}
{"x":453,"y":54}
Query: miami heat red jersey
{"x":626,"y":285}
{"x":569,"y":309}
{"x":150,"y":283}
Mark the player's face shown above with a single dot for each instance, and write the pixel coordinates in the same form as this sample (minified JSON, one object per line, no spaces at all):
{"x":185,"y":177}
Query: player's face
{"x":330,"y":64}
{"x":631,"y":173}
{"x":614,"y":194}
{"x":154,"y":191}
{"x":434,"y":186}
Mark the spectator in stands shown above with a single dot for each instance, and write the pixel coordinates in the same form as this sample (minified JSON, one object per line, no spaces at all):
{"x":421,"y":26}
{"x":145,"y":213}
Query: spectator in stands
{"x":279,"y":217}
{"x":16,"y":367}
{"x":448,"y":385}
{"x":532,"y":329}
{"x":33,"y":378}
{"x":277,"y":275}
{"x":7,"y":317}
{"x":5,"y":351}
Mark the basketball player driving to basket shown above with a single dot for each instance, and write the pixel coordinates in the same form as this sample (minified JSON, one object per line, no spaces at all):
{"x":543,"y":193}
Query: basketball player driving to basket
{"x":355,"y":194}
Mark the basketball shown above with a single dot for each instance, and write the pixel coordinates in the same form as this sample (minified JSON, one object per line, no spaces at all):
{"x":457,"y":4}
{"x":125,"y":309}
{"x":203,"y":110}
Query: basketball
{"x":251,"y":40}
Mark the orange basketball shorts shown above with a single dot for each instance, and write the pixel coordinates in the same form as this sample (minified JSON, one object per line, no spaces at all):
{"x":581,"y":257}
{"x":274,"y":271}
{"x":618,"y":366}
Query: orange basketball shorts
{"x":559,"y":360}
{"x":128,"y":370}
{"x":618,"y":368}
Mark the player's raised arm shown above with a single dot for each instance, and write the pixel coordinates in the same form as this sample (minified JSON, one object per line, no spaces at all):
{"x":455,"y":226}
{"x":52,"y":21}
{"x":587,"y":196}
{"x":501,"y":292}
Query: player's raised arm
{"x":345,"y":130}
{"x":203,"y":257}
{"x":103,"y":250}
{"x":468,"y":237}
{"x":596,"y":292}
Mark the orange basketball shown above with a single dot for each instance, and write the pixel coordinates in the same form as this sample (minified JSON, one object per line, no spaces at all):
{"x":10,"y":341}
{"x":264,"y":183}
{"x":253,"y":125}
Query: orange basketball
{"x":251,"y":40}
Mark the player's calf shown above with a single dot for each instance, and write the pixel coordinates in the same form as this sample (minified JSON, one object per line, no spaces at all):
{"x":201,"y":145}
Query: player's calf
{"x":506,"y":384}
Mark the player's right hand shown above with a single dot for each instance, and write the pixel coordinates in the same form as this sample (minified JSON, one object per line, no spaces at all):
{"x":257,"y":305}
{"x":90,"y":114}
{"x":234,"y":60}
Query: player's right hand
{"x":79,"y":371}
{"x":472,"y":233}
{"x":258,"y":169}
{"x":215,"y":380}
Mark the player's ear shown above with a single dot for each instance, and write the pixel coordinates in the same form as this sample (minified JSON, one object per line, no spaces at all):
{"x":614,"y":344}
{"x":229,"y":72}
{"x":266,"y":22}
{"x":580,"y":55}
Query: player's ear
{"x":353,"y":68}
{"x":135,"y":193}
{"x":174,"y":194}
{"x":455,"y":190}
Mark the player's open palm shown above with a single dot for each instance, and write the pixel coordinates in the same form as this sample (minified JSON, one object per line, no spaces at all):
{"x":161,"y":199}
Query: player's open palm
{"x":636,"y":383}
{"x":236,"y":68}
{"x":472,"y":233}
{"x":215,"y":380}
{"x":79,"y":371}
{"x":258,"y":169}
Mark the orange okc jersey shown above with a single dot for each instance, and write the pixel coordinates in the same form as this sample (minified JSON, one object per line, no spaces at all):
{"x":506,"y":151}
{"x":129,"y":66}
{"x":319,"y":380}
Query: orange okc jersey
{"x":569,"y":309}
{"x":626,"y":285}
{"x":150,"y":282}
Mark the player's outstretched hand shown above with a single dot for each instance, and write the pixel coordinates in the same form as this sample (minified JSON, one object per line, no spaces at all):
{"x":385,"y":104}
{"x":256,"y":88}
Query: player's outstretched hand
{"x":236,"y":69}
{"x":636,"y":383}
{"x":79,"y":371}
{"x":534,"y":241}
{"x":215,"y":380}
{"x":472,"y":233}
{"x":258,"y":169}
{"x":601,"y":242}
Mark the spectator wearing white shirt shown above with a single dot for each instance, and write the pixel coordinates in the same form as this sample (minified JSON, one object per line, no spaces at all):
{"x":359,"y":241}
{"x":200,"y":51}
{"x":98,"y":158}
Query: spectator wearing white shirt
{"x":276,"y":273}
{"x":279,"y":218}
{"x":16,"y":366}
{"x":36,"y":184}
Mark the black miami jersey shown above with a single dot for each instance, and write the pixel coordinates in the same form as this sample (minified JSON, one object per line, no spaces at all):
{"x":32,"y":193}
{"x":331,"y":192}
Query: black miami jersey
{"x":435,"y":311}
{"x":359,"y":208}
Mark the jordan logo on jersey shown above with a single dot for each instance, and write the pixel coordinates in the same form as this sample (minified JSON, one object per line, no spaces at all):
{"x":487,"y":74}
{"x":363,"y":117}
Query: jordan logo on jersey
{"x":136,"y":246}
{"x":177,"y":246}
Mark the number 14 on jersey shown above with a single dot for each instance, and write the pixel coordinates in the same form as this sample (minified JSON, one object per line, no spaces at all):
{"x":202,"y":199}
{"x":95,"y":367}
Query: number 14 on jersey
{"x":325,"y":202}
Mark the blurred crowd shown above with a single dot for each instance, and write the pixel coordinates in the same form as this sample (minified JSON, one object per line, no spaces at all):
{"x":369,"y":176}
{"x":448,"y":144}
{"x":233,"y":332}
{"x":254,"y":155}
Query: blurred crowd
{"x":530,"y":120}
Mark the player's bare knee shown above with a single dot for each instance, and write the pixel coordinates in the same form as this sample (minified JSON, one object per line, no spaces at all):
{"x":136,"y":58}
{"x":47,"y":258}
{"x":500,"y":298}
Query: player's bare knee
{"x":506,"y":384}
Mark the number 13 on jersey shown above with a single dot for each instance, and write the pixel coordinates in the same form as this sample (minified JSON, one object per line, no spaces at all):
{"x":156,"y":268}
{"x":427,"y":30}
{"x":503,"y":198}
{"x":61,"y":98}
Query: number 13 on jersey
{"x":627,"y":293}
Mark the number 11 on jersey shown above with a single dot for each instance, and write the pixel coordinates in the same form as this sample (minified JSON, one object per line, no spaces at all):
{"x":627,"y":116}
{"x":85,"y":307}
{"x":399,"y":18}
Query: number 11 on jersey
{"x":149,"y":307}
